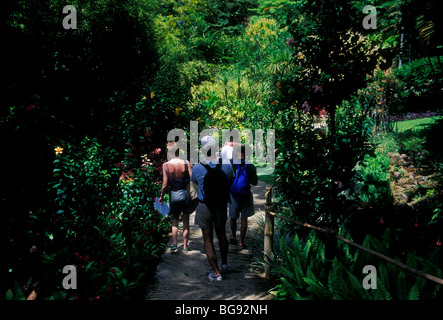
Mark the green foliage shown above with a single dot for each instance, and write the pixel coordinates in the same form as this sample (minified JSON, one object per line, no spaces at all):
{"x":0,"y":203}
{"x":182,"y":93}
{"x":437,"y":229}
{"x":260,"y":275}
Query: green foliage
{"x":334,"y":56}
{"x":312,"y":182}
{"x":102,"y":221}
{"x":75,"y":72}
{"x":135,"y":69}
{"x":373,"y":181}
{"x":83,"y":181}
{"x":243,"y":93}
{"x":419,"y":83}
{"x":305,"y":273}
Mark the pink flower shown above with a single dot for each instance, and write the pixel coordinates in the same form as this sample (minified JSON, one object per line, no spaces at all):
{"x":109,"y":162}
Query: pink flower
{"x":157,"y":151}
{"x":306,"y":107}
{"x":316,"y":88}
{"x":30,"y":107}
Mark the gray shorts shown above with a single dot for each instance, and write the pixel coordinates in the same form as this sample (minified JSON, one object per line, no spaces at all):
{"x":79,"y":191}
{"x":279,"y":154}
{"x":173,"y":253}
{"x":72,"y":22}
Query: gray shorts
{"x":179,"y":203}
{"x":245,"y":207}
{"x":204,"y":218}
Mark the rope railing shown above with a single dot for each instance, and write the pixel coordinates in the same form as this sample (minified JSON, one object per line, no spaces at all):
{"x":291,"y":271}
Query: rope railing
{"x":269,"y":233}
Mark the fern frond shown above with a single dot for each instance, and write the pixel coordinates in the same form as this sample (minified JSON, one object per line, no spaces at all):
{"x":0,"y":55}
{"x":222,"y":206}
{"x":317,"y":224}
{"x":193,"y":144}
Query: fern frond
{"x":401,"y":290}
{"x":414,"y":293}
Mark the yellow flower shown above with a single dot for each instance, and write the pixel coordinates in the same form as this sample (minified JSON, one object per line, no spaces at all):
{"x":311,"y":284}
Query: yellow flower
{"x":58,"y":150}
{"x":152,"y":95}
{"x":144,"y":98}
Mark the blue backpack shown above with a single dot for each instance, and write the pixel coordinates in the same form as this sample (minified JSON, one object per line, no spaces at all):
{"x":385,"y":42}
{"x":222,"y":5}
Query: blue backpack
{"x":240,"y":187}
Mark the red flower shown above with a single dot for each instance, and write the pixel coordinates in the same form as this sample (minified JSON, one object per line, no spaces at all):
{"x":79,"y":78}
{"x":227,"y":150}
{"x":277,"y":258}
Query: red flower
{"x":30,"y":107}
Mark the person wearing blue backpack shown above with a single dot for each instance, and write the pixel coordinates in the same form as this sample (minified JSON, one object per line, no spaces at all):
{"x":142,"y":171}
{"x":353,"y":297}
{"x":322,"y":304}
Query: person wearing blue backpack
{"x":242,"y":201}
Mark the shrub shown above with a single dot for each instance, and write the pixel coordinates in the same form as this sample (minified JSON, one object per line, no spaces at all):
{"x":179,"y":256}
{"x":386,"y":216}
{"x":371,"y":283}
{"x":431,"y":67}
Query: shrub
{"x":373,"y":181}
{"x":316,"y":169}
{"x":419,"y":83}
{"x":102,"y":221}
{"x":305,"y":273}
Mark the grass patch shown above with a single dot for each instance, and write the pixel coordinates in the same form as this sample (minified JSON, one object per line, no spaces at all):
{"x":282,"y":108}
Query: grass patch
{"x":415,"y":124}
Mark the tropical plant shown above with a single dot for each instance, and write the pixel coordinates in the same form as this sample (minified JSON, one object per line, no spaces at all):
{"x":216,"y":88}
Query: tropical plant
{"x":373,"y":181}
{"x":305,"y":273}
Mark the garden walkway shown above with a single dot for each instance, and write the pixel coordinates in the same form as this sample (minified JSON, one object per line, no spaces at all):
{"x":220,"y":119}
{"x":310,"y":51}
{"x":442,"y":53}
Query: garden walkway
{"x":184,"y":276}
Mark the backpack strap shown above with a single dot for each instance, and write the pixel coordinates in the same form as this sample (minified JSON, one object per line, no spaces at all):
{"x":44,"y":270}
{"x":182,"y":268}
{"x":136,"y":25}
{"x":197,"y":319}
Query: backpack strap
{"x":208,"y":167}
{"x":238,"y":167}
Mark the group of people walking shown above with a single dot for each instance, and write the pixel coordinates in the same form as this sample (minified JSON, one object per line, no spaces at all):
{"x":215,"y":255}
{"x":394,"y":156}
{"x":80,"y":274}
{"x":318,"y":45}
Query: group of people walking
{"x":223,"y":182}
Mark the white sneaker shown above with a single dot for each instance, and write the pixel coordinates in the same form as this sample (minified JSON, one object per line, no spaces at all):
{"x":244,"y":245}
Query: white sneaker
{"x":213,"y":277}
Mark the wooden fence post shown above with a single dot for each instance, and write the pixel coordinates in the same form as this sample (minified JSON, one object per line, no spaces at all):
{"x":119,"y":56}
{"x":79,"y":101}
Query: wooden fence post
{"x":268,"y":233}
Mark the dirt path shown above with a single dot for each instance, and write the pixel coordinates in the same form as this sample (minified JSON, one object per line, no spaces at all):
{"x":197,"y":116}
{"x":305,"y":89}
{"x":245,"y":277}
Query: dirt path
{"x":184,"y":276}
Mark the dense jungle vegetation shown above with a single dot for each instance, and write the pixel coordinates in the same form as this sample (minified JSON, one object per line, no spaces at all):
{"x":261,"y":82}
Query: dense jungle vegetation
{"x":85,"y":113}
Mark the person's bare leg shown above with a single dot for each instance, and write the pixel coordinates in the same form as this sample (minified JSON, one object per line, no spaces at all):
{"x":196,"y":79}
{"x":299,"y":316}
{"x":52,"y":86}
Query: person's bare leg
{"x":243,"y":229}
{"x":233,"y":225}
{"x":175,"y":219}
{"x":223,"y":243}
{"x":208,"y":239}
{"x":185,"y":230}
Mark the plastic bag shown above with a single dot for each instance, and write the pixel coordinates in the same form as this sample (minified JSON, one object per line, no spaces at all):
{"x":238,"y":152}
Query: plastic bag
{"x":162,"y":208}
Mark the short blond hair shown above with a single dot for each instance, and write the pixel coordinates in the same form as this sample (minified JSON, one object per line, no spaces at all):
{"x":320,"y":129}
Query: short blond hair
{"x":170,"y":145}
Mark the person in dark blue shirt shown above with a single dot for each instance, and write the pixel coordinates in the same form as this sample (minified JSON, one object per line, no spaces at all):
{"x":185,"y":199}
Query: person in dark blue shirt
{"x":215,"y":218}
